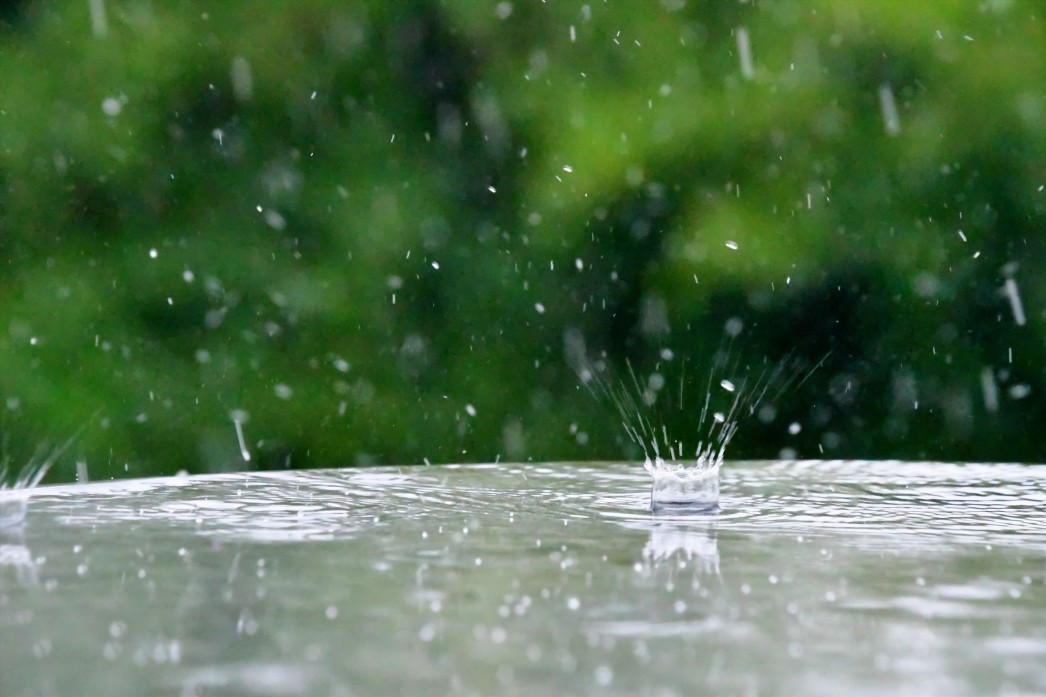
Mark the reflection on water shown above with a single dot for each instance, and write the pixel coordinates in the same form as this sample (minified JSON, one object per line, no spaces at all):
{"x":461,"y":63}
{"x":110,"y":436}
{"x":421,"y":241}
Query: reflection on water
{"x":812,"y":578}
{"x":16,"y":556}
{"x":13,"y":505}
{"x":227,"y":640}
{"x":681,"y":545}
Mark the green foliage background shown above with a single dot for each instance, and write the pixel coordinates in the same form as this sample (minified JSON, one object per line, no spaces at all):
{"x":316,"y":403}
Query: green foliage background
{"x":371,"y":228}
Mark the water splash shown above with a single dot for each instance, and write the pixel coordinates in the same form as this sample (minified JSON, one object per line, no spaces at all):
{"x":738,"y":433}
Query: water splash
{"x":685,"y":480}
{"x":681,"y":487}
{"x":14,"y":494}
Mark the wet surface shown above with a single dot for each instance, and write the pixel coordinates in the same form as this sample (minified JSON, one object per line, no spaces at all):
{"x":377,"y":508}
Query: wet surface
{"x":855,"y":578}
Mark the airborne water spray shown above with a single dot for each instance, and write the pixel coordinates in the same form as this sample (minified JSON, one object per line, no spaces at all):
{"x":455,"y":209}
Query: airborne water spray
{"x":16,"y":489}
{"x":14,"y":495}
{"x":685,"y":471}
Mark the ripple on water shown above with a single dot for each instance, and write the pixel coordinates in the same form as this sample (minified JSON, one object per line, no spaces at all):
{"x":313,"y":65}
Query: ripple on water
{"x":838,"y":577}
{"x":961,"y":502}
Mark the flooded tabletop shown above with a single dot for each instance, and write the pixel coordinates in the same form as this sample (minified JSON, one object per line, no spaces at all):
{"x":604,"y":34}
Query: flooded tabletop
{"x":812,"y":578}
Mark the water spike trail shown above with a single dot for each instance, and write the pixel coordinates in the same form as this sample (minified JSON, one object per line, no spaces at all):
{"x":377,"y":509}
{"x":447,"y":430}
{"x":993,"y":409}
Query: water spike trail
{"x":14,"y":495}
{"x":682,"y":484}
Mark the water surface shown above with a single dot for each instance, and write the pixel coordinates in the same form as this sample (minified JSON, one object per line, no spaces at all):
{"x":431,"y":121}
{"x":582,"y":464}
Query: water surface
{"x":814,"y":578}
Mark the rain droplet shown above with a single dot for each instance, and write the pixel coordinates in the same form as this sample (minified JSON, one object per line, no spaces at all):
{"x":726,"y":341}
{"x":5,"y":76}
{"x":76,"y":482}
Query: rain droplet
{"x":503,"y":10}
{"x":744,"y":53}
{"x":888,"y":107}
{"x":112,"y":106}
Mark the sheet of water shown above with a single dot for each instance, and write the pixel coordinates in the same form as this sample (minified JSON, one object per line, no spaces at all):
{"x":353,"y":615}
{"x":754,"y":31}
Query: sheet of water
{"x":814,"y":578}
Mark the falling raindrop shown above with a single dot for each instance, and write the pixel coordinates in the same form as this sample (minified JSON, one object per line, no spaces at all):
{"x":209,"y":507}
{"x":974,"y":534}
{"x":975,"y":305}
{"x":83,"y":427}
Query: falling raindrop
{"x":744,"y":53}
{"x":888,"y":106}
{"x":112,"y":106}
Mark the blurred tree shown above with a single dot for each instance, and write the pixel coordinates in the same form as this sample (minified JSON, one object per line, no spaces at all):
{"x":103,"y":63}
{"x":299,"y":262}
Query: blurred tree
{"x":367,"y":230}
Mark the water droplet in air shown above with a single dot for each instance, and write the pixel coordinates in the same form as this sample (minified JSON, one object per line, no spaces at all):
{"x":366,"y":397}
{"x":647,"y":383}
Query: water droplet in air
{"x":1020,"y":391}
{"x":112,"y":106}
